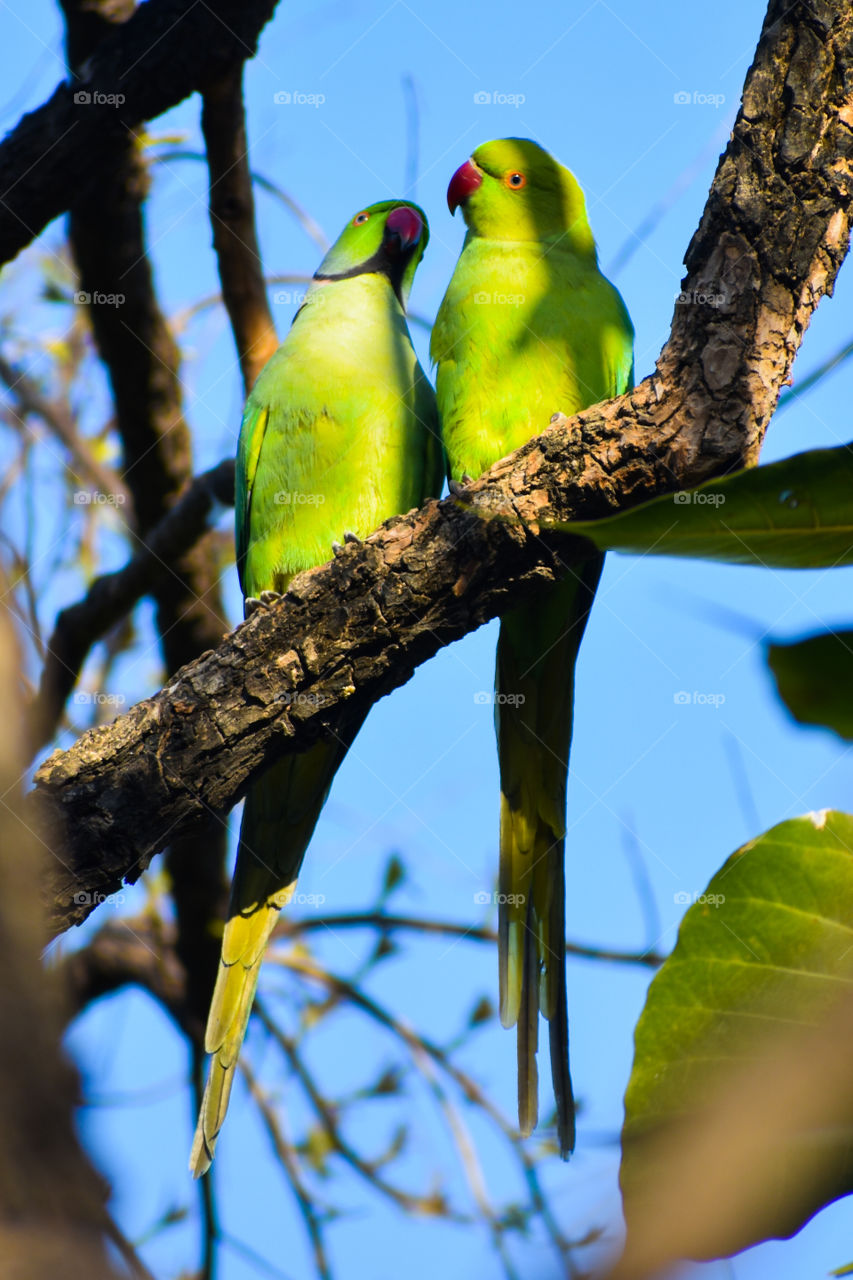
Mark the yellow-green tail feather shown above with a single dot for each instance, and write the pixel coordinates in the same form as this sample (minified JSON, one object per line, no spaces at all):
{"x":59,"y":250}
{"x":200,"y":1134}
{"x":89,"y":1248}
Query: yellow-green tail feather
{"x":535,"y":686}
{"x":279,"y":817}
{"x":244,"y":942}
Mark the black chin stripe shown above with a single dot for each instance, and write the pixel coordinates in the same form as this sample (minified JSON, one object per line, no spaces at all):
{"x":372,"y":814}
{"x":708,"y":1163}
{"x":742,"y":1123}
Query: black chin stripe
{"x":379,"y":264}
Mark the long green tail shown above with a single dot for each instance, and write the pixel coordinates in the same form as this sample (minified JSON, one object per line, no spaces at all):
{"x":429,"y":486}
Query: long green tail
{"x":279,"y":817}
{"x":534,"y":682}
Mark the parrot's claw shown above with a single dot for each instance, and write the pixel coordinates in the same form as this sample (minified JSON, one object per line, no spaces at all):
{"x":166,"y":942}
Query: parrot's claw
{"x":456,"y":489}
{"x":466,"y":479}
{"x":349,"y":536}
{"x":558,"y":419}
{"x":253,"y":603}
{"x":337,"y":548}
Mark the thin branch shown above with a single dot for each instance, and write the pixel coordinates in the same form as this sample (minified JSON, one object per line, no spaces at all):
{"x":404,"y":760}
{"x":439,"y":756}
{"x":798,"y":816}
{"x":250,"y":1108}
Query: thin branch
{"x":130,"y":951}
{"x":131,"y":1257}
{"x":211,"y":1233}
{"x":772,"y":238}
{"x":311,"y":228}
{"x":86,"y":467}
{"x":804,"y":385}
{"x":141,"y":951}
{"x":112,"y":596}
{"x":232,"y":217}
{"x":135,"y":75}
{"x":108,"y":242}
{"x":182,"y":318}
{"x":405,"y":1200}
{"x":293,"y":926}
{"x":412,"y":108}
{"x":641,"y":234}
{"x":287,"y":1158}
{"x":421,"y":1047}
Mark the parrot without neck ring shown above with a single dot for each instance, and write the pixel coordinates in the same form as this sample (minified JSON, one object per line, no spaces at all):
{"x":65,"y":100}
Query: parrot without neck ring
{"x":529,"y":327}
{"x":339,"y":433}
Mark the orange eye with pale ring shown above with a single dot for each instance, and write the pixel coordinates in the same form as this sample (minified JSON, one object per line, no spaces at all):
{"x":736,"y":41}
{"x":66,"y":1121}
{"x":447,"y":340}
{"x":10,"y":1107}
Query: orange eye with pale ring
{"x":359,"y":219}
{"x":515,"y":180}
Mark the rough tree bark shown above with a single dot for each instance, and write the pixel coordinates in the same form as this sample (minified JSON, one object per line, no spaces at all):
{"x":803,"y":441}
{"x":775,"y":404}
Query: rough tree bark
{"x":166,"y":51}
{"x":108,"y":243}
{"x":771,"y":240}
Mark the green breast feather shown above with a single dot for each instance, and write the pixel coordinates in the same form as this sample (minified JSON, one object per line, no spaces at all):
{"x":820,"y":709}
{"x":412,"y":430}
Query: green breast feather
{"x":339,"y":432}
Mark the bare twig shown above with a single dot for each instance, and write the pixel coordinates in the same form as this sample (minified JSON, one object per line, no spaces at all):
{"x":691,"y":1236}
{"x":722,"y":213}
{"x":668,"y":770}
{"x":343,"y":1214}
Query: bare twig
{"x":86,"y":467}
{"x":431,"y":1204}
{"x":311,"y":228}
{"x":421,"y":1048}
{"x":112,"y":596}
{"x":293,"y":926}
{"x":287,"y":1158}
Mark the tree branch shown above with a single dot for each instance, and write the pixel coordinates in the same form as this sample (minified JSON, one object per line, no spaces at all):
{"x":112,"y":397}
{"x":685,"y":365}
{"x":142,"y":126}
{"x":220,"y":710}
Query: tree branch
{"x":112,"y":596}
{"x":107,"y":236}
{"x":384,"y":923}
{"x":772,"y":238}
{"x":232,"y":217}
{"x":135,"y":75}
{"x":85,"y":465}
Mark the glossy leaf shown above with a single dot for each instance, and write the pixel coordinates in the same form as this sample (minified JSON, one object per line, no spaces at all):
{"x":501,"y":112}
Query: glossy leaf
{"x":814,"y":677}
{"x":794,"y":514}
{"x":762,"y":969}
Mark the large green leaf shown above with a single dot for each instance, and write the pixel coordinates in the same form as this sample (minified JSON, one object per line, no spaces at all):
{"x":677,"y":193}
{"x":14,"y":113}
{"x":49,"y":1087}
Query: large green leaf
{"x":794,"y":514}
{"x":763,"y":962}
{"x":815,"y":679}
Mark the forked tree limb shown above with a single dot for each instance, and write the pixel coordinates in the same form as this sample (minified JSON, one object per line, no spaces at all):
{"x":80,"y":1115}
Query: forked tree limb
{"x":772,"y":238}
{"x":167,"y":50}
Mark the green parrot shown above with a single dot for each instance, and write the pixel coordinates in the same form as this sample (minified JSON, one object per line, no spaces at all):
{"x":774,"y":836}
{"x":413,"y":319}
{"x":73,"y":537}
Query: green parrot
{"x":340,"y":432}
{"x":529,"y":327}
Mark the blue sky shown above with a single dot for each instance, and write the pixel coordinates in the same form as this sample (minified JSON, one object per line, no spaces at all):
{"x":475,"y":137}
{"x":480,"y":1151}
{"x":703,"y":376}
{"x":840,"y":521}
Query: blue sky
{"x":638,"y":102}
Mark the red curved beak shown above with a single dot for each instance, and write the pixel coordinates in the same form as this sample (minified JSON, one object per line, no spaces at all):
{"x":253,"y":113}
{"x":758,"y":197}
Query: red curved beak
{"x":464,"y":183}
{"x":405,"y":224}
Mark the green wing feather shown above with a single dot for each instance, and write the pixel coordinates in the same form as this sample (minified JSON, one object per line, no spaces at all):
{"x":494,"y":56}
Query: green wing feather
{"x":529,"y":328}
{"x":340,"y":432}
